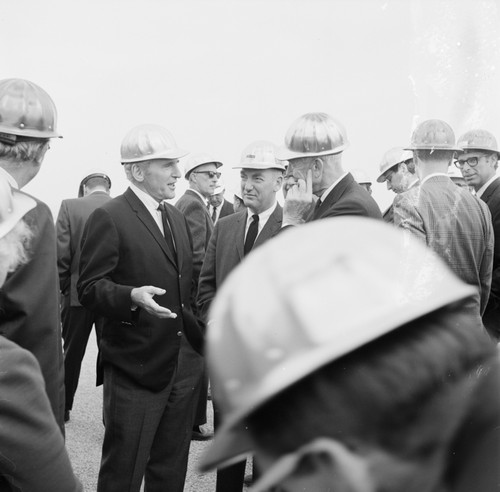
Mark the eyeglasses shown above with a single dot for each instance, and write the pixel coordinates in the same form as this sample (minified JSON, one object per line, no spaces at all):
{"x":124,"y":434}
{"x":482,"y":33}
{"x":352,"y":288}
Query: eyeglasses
{"x":471,"y":161}
{"x":210,"y":174}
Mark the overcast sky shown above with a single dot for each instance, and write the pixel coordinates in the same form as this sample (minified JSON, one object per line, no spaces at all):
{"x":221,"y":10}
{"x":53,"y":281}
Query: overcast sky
{"x":219,"y":74}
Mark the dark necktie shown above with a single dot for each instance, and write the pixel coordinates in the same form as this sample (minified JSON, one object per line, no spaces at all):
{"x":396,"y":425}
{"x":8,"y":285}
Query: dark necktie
{"x":214,"y":214}
{"x":167,"y":232}
{"x":251,"y":234}
{"x":318,"y":204}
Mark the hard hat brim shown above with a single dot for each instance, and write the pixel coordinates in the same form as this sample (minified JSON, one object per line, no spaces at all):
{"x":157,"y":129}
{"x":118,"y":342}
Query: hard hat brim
{"x":170,"y":154}
{"x":285,"y":154}
{"x":29,"y":132}
{"x":431,"y":147}
{"x":261,"y":166}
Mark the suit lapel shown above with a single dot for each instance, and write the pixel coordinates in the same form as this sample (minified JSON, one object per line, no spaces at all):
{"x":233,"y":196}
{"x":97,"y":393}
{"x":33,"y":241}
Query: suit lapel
{"x":492,"y":189}
{"x":272,"y":226}
{"x":240,"y":233}
{"x":333,"y":196}
{"x":145,"y":217}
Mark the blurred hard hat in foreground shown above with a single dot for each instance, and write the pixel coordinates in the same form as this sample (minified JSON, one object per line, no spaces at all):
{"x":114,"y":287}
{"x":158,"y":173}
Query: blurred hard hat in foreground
{"x":391,"y":158}
{"x":260,"y":154}
{"x":269,"y":326}
{"x":26,"y":110}
{"x":147,"y":142}
{"x":312,"y":135}
{"x":433,"y":135}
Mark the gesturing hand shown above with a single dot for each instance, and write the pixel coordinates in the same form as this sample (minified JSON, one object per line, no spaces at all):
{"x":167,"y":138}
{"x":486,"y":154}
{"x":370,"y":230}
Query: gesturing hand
{"x":143,"y":297}
{"x":298,"y":201}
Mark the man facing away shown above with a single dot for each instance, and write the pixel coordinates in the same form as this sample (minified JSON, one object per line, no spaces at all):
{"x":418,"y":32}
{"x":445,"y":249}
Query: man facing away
{"x":447,"y":218}
{"x":29,"y":301}
{"x":314,"y":144}
{"x":77,"y":321}
{"x":478,"y":162}
{"x":136,"y":270}
{"x":398,"y":171}
{"x":235,"y":237}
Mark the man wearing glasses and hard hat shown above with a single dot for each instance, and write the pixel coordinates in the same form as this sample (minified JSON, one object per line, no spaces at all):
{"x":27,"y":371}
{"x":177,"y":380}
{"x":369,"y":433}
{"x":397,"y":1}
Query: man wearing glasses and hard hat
{"x":478,"y":163}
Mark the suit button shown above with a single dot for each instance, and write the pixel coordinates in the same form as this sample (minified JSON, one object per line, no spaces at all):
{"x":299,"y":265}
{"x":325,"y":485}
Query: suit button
{"x":180,"y":276}
{"x":179,"y":333}
{"x":182,"y":305}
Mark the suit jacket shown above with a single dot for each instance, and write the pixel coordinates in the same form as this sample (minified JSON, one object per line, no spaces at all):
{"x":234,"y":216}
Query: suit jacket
{"x":32,"y":452}
{"x":71,"y":220}
{"x":200,"y":224}
{"x":456,"y":225}
{"x":491,"y":318}
{"x":123,"y":248}
{"x":347,"y":198}
{"x":225,"y":251}
{"x":29,"y":306}
{"x":226,"y":209}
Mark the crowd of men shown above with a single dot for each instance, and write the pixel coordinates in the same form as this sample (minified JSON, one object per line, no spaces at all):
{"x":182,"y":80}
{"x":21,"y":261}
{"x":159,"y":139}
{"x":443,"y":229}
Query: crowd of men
{"x":290,"y":306}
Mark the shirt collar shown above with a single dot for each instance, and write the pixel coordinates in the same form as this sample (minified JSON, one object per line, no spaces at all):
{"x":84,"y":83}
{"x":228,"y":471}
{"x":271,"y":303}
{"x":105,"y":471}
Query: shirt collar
{"x":148,"y":200}
{"x":481,"y":190}
{"x":335,"y":183}
{"x":205,"y":200}
{"x":432,"y":175}
{"x":9,"y":178}
{"x":263,"y":215}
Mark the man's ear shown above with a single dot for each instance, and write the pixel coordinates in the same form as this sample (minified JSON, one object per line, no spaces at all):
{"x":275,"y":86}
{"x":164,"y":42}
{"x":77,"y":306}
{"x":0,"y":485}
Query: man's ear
{"x":317,"y":167}
{"x":323,"y":464}
{"x":137,"y":172}
{"x":403,"y":167}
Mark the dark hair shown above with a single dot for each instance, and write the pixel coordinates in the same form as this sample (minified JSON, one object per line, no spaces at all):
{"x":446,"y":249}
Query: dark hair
{"x":378,"y":393}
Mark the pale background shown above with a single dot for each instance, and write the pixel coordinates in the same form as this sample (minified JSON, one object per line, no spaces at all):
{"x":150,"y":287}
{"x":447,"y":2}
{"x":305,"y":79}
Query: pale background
{"x":219,"y":74}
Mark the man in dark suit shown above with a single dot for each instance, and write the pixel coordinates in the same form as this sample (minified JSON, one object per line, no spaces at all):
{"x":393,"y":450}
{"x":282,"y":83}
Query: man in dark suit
{"x":219,"y":206}
{"x":201,"y":172}
{"x":77,"y":321}
{"x":233,"y":238}
{"x":31,"y":444}
{"x":447,"y":218}
{"x":29,"y":301}
{"x":478,"y":163}
{"x":313,"y":148}
{"x":136,"y":270}
{"x":397,"y":169}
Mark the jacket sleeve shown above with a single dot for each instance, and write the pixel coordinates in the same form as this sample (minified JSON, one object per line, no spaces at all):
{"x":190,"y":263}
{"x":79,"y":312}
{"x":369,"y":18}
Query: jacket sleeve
{"x":33,"y":456}
{"x":99,"y":257}
{"x":196,"y":218}
{"x":407,"y":217}
{"x":63,"y":230}
{"x":207,"y":284}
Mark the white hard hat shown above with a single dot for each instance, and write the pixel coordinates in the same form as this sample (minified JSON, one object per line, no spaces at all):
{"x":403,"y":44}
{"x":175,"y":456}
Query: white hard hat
{"x":360,"y":176}
{"x":260,"y":154}
{"x":312,"y":135}
{"x":294,"y":306}
{"x":433,"y":135}
{"x":147,"y":142}
{"x":196,"y":160}
{"x":478,"y":140}
{"x":391,"y":158}
{"x":13,"y":206}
